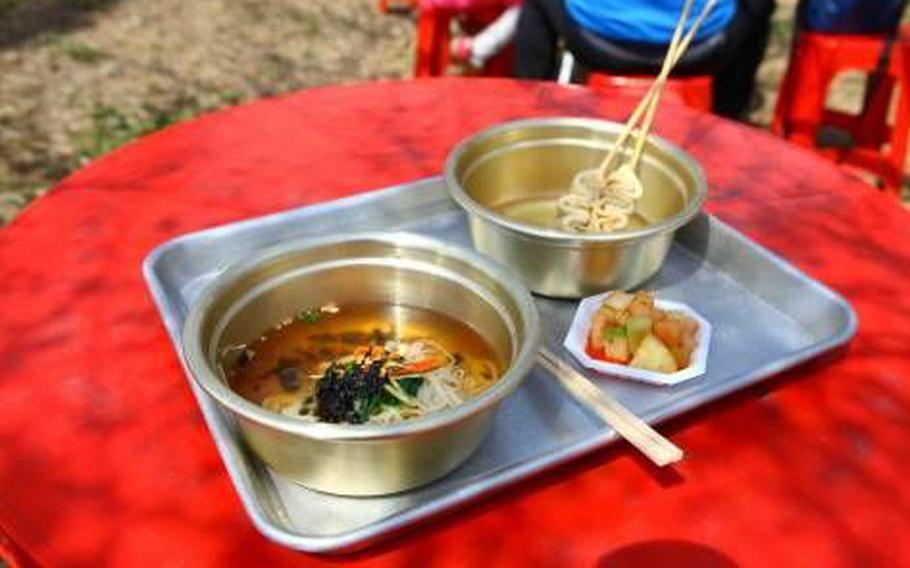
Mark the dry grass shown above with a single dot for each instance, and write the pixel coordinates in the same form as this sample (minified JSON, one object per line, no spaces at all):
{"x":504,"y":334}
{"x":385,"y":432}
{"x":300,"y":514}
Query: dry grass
{"x":81,"y":77}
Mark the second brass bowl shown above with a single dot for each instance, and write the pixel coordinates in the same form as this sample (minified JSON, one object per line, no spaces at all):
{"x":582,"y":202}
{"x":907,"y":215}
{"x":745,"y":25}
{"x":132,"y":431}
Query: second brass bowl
{"x":539,"y":157}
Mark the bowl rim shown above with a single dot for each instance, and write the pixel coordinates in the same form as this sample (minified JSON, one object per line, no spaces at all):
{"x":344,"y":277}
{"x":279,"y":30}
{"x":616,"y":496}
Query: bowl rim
{"x":203,"y":375}
{"x":458,"y":193}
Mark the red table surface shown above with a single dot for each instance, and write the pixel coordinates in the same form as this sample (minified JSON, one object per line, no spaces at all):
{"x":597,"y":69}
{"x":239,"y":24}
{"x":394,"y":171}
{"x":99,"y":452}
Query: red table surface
{"x":106,"y":460}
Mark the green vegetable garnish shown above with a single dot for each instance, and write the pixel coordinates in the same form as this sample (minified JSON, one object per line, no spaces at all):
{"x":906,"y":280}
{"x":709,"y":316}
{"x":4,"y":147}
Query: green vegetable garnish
{"x":311,"y":315}
{"x":614,"y":332}
{"x":373,"y":405}
{"x":410,"y":385}
{"x":386,"y":398}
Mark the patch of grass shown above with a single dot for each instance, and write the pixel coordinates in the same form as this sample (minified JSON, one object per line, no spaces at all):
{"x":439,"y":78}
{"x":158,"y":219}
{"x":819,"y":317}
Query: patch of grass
{"x":79,"y":51}
{"x":276,"y":67}
{"x":308,"y":23}
{"x":112,"y":128}
{"x":6,"y":6}
{"x":230,"y":97}
{"x":83,"y":4}
{"x":158,"y":118}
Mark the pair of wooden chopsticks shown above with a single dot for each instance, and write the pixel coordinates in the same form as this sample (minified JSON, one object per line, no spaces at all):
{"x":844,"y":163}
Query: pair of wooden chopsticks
{"x":647,"y":108}
{"x":659,"y":449}
{"x":636,"y":431}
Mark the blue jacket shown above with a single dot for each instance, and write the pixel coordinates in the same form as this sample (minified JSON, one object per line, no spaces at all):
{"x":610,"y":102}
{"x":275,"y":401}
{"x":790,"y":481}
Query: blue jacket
{"x":645,"y":21}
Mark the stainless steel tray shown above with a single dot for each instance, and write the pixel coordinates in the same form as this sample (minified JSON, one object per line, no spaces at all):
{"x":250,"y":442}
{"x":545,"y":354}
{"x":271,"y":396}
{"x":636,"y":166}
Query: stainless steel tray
{"x":767,"y":317}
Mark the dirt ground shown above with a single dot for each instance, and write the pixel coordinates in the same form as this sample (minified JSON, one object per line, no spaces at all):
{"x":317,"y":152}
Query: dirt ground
{"x":81,"y":77}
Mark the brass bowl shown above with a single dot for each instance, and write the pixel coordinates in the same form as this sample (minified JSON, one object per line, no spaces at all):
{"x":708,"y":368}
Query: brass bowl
{"x":392,"y":268}
{"x":537,"y":159}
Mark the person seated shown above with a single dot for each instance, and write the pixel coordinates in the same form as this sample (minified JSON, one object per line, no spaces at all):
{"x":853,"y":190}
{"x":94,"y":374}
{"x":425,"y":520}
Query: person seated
{"x":631,"y":37}
{"x":483,"y":46}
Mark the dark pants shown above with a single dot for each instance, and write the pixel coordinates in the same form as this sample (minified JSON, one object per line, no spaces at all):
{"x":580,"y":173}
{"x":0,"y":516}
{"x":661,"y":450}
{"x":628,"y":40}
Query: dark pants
{"x":732,"y":57}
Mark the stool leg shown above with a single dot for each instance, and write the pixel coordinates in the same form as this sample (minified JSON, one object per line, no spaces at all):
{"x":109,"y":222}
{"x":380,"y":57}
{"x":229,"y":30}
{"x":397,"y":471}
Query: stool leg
{"x":811,"y":76}
{"x":809,"y":102}
{"x":780,"y":122}
{"x":897,"y":155}
{"x":432,"y":39}
{"x":872,"y":124}
{"x":443,"y":39}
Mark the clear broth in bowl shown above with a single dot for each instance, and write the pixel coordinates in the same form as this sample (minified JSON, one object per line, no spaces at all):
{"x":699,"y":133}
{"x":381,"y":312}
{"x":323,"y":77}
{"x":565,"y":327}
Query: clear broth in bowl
{"x":362,"y":363}
{"x":540,"y":211}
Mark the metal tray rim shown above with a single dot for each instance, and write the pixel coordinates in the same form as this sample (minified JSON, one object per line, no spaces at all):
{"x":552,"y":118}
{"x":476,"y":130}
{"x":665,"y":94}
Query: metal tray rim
{"x":155,"y":254}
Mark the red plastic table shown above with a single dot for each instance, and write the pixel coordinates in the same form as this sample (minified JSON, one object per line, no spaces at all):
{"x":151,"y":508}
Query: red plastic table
{"x":105,"y":458}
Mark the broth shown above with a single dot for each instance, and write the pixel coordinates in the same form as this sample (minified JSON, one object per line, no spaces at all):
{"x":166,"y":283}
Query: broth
{"x":282,"y":369}
{"x":540,"y":211}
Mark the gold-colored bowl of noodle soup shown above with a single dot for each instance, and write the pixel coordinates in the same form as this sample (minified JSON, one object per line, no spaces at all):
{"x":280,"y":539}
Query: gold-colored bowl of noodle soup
{"x":363,"y":364}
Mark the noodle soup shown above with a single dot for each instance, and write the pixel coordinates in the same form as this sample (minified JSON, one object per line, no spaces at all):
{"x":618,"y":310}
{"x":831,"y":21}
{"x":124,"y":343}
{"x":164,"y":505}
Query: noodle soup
{"x":362,"y":363}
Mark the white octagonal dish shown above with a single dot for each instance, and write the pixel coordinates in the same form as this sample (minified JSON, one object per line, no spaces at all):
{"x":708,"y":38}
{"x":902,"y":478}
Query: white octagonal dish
{"x":578,"y":335}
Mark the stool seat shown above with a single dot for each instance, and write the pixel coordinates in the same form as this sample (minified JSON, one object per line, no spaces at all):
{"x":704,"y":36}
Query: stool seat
{"x":615,"y":64}
{"x":695,"y":91}
{"x":800,"y":113}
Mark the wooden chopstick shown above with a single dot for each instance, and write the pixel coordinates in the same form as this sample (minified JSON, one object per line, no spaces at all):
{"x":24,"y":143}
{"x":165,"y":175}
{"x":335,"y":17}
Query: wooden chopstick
{"x":636,"y":431}
{"x":674,"y":53}
{"x":644,"y":103}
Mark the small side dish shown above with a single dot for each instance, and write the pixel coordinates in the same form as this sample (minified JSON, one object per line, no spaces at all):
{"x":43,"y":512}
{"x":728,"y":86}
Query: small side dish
{"x":640,"y":337}
{"x":630,"y":329}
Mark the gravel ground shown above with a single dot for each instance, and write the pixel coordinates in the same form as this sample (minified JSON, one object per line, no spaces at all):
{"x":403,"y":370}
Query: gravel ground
{"x":81,"y":77}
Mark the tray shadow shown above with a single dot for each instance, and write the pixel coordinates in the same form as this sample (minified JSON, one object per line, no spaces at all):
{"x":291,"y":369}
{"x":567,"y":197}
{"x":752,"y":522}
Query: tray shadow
{"x":665,"y":553}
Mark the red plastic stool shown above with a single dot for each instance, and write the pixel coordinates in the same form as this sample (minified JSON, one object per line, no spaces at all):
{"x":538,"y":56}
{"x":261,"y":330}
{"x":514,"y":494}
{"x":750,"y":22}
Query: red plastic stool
{"x":695,"y":91}
{"x":434,"y":20}
{"x":816,"y":60}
